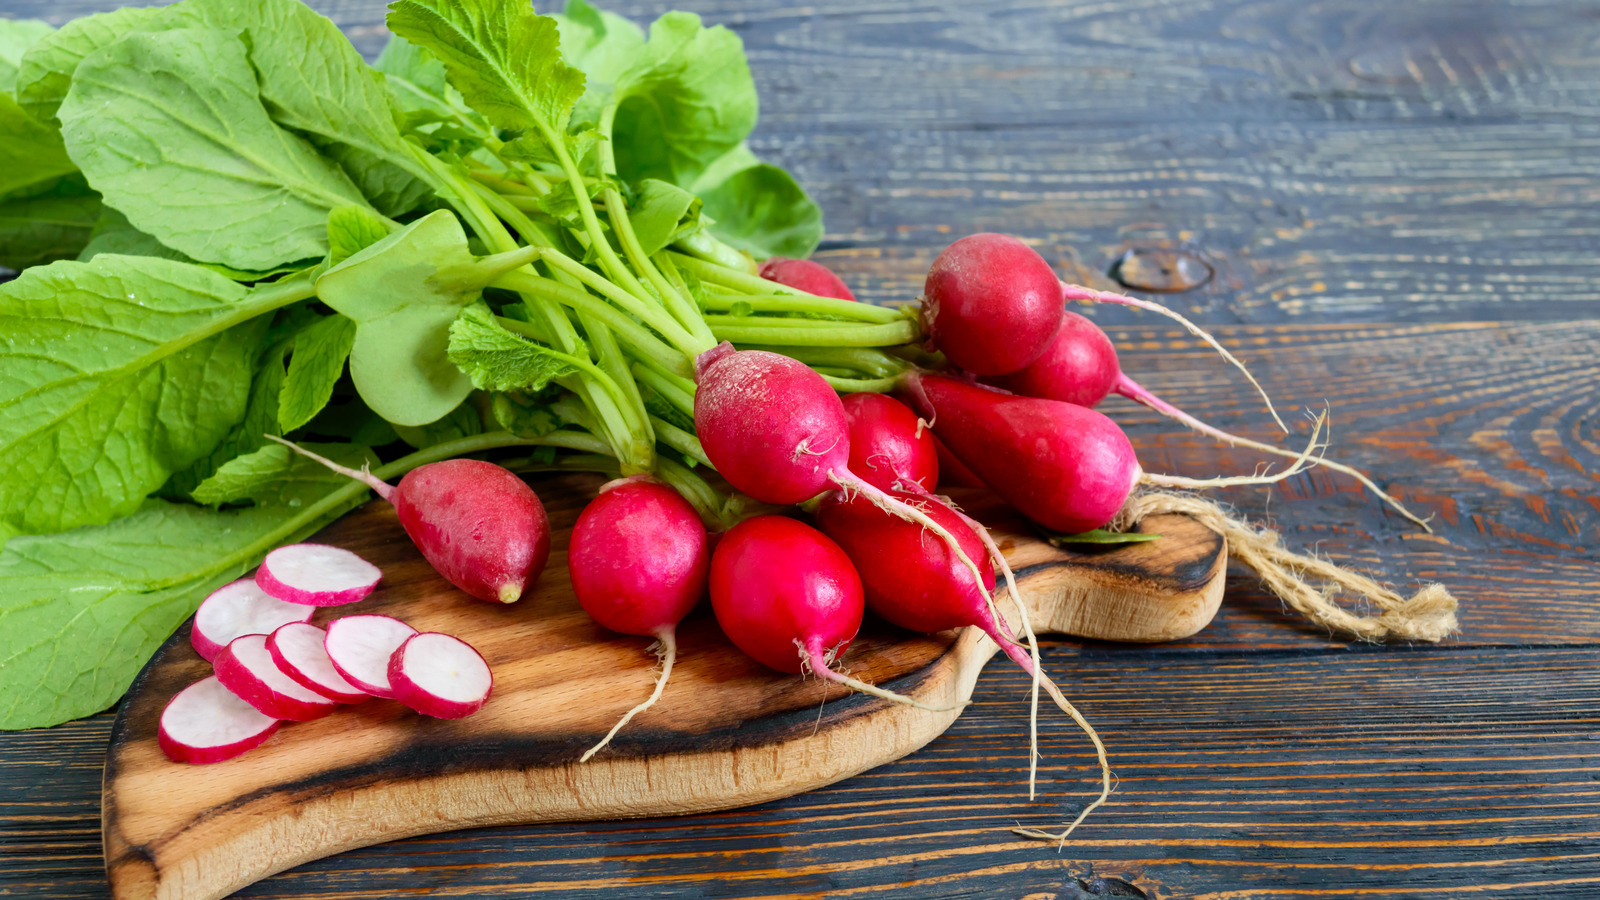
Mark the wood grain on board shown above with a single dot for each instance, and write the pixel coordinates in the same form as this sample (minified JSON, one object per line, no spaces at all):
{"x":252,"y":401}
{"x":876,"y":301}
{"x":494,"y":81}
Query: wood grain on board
{"x":1399,"y":202}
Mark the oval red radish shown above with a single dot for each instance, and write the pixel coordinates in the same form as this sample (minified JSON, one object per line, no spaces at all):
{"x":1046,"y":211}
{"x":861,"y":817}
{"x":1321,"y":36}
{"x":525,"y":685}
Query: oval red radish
{"x":246,"y":668}
{"x":953,"y":472}
{"x":806,"y":275}
{"x":890,"y":447}
{"x":207,"y":723}
{"x":239,"y":608}
{"x":479,"y":525}
{"x":991,"y":304}
{"x":317,"y":575}
{"x":297,"y":649}
{"x":360,"y":647}
{"x":440,"y":675}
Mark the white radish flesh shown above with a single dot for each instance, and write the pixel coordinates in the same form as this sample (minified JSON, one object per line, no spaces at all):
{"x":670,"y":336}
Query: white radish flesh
{"x":360,"y":647}
{"x":298,"y":650}
{"x":317,"y":575}
{"x":246,"y":668}
{"x":441,"y":676}
{"x":237,"y":609}
{"x":207,"y":723}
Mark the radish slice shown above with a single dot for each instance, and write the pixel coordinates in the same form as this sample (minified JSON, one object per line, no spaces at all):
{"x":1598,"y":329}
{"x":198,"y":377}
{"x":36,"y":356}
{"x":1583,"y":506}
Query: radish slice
{"x":297,"y":650}
{"x":317,"y":575}
{"x":440,"y":676}
{"x":246,"y":668}
{"x":360,"y":647}
{"x":236,"y":609}
{"x":207,"y":723}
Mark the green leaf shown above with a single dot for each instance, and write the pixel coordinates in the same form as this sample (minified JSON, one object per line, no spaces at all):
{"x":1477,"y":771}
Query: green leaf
{"x":503,"y":58}
{"x":403,"y":293}
{"x":169,"y":127}
{"x":603,"y":45}
{"x":32,"y":156}
{"x":351,"y":420}
{"x":81,"y":612}
{"x":45,"y":73}
{"x":113,"y":233}
{"x":49,"y":226}
{"x":761,"y":209}
{"x":352,"y":229}
{"x":260,"y":419}
{"x":16,"y":36}
{"x":402,"y":59}
{"x":113,"y":375}
{"x":265,"y":472}
{"x":461,"y":422}
{"x":318,"y":361}
{"x":523,"y":419}
{"x":1100,"y":536}
{"x":661,"y":213}
{"x":497,"y":360}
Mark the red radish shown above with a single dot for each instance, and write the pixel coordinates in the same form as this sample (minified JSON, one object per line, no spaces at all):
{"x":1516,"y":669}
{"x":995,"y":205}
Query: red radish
{"x":246,"y":668}
{"x":790,"y":598}
{"x":890,"y":448}
{"x":317,"y":575}
{"x":239,"y":608}
{"x":206,"y":723}
{"x":805,"y":275}
{"x":439,"y":675}
{"x":991,"y":304}
{"x":1080,"y":366}
{"x":953,"y":472}
{"x":297,"y":649}
{"x":477,"y":523}
{"x":638,"y":557}
{"x":360,"y":647}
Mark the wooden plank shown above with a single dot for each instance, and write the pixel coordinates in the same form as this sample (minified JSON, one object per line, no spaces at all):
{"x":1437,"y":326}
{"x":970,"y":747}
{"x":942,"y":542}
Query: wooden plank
{"x":1421,"y":774}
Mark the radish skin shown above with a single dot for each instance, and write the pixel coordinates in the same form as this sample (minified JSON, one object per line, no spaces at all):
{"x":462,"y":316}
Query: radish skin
{"x":890,"y":447}
{"x":440,"y":675}
{"x":360,"y":648}
{"x":806,"y":275}
{"x":317,"y":575}
{"x":236,"y":609}
{"x":299,"y":652}
{"x":207,"y":723}
{"x":247,"y":668}
{"x":991,"y":304}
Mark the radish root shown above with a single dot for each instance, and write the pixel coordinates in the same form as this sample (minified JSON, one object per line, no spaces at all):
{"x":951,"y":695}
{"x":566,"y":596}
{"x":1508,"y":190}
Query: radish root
{"x":815,"y":659}
{"x":1304,"y":460}
{"x":1090,"y":295}
{"x":667,"y":649}
{"x":383,"y":488}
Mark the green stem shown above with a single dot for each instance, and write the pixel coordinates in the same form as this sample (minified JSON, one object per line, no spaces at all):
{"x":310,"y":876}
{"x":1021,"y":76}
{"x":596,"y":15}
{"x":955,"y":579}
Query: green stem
{"x":614,"y":267}
{"x":650,"y":315}
{"x":632,"y":333}
{"x":705,"y":246}
{"x":874,"y":363}
{"x":600,"y":376}
{"x":861,"y":385}
{"x":810,"y":333}
{"x":706,"y":501}
{"x":668,"y":387}
{"x":679,"y":440}
{"x":803,"y":303}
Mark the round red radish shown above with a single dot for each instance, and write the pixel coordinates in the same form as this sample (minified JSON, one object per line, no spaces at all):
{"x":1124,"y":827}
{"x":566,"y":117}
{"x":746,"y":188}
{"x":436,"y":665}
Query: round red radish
{"x":206,"y":723}
{"x":297,"y":649}
{"x":1079,"y":366}
{"x":638,"y":558}
{"x":889,"y":446}
{"x":439,"y":675}
{"x":769,"y":424}
{"x":785,"y":594}
{"x":1066,"y":467}
{"x":239,"y":608}
{"x":805,"y":275}
{"x":317,"y":575}
{"x":360,"y":647}
{"x":991,"y":304}
{"x":476,"y":523}
{"x":246,"y":668}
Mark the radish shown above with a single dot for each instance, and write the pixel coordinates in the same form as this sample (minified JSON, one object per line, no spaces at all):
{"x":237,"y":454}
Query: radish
{"x":1080,"y":367}
{"x":806,"y":275}
{"x":246,"y":668}
{"x":206,"y":723}
{"x":889,"y":445}
{"x":317,"y":575}
{"x":477,"y":523}
{"x":638,"y":557}
{"x":297,"y":649}
{"x":239,"y":608}
{"x":439,"y":675}
{"x":953,"y":472}
{"x":1066,"y":467}
{"x":360,"y":647}
{"x":990,"y":304}
{"x":790,"y":598}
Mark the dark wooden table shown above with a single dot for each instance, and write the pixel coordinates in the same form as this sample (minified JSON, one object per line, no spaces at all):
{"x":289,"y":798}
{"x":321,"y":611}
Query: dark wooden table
{"x":1401,"y":202}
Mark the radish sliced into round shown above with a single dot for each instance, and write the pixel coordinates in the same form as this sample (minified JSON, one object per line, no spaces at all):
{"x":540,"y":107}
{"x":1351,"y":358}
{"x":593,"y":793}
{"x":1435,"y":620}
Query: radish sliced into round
{"x":440,"y":676}
{"x":206,"y":723}
{"x":360,"y":647}
{"x":236,"y":609}
{"x":317,"y":575}
{"x":246,"y":668}
{"x":298,"y":650}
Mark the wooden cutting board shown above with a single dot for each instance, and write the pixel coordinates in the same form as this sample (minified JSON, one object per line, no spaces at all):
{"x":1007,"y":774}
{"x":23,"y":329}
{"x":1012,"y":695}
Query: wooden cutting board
{"x":727,"y":733}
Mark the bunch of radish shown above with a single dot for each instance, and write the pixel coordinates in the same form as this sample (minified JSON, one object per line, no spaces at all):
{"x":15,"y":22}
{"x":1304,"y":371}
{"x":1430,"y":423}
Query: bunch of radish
{"x":271,"y":665}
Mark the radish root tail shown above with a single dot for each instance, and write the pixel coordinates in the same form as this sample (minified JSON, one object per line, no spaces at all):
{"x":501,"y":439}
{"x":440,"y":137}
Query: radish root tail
{"x":1138,"y":393}
{"x":1309,"y":585}
{"x":817,"y":662}
{"x":1090,"y":295}
{"x":667,"y":649}
{"x":383,"y":488}
{"x":1304,"y":460}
